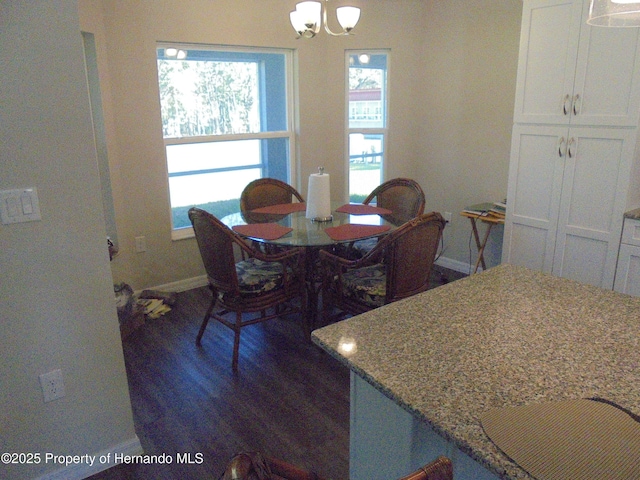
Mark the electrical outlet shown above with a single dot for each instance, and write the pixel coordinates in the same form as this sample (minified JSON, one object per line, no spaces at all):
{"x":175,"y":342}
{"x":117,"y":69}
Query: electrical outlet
{"x":52,"y":385}
{"x":447,"y":217}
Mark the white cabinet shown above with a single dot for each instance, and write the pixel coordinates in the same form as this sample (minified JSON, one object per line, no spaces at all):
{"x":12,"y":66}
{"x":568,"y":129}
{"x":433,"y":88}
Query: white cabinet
{"x":576,"y":112}
{"x":628,"y":271}
{"x":566,"y":200}
{"x":571,"y":73}
{"x":386,"y":441}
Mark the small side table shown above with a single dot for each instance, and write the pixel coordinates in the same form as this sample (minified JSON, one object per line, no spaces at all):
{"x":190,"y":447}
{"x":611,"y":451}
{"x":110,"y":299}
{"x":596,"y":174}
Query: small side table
{"x":490,"y":221}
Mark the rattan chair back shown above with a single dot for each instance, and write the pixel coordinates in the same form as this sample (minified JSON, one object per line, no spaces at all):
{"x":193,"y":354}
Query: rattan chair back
{"x":403,"y":196}
{"x":265,"y":192}
{"x":215,"y":242}
{"x":407,"y":255}
{"x":254,"y":466}
{"x":440,"y":469}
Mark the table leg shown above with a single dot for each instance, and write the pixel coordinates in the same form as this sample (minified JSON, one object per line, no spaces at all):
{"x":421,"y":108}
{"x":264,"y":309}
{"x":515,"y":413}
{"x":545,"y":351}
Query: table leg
{"x":480,"y":244}
{"x":313,"y":291}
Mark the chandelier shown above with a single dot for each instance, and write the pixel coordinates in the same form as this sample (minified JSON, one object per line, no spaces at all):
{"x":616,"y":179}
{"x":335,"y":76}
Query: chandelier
{"x":308,"y":16}
{"x":614,"y":13}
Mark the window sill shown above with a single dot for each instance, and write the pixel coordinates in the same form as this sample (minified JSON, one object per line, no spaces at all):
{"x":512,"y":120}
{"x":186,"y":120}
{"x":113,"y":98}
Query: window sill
{"x":182,"y":233}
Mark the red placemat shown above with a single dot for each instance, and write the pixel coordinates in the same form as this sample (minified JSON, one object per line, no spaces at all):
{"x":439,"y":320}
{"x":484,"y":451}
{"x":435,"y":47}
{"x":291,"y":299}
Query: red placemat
{"x":351,"y":231}
{"x":362,"y":209}
{"x":283,"y":208}
{"x":266,"y":231}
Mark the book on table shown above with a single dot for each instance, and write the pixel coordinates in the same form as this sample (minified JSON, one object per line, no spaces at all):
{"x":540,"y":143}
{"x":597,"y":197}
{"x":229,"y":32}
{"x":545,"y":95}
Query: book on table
{"x":487,"y":209}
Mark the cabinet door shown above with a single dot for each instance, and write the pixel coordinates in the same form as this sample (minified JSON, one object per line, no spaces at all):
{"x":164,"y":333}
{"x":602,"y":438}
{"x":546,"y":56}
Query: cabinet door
{"x":533,"y":196}
{"x":548,"y":50}
{"x":607,"y":78}
{"x":593,"y":202}
{"x":628,"y":271}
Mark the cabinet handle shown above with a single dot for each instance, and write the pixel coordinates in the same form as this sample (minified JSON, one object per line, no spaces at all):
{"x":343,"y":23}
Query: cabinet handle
{"x":570,"y":151}
{"x":576,"y":104}
{"x":561,"y":149}
{"x":567,"y":99}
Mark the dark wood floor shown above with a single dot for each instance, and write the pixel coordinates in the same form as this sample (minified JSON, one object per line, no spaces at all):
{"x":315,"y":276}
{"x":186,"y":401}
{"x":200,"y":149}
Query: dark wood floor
{"x":288,"y":400}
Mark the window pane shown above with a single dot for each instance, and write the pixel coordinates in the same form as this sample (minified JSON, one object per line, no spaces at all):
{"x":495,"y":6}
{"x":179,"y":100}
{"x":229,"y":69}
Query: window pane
{"x":206,"y":92}
{"x":367,"y":90}
{"x":208,"y":98}
{"x":206,"y":156}
{"x":211,"y":92}
{"x":212,"y":175}
{"x":365,"y":164}
{"x":217,"y":193}
{"x":210,"y":187}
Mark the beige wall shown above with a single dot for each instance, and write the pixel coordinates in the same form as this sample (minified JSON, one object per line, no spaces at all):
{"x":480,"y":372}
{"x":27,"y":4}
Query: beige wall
{"x":452,"y":76}
{"x":471,"y":56}
{"x":57,"y":308}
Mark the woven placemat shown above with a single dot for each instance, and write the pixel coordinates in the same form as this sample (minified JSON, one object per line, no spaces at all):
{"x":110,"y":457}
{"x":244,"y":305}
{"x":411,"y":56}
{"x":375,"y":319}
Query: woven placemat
{"x":568,"y":440}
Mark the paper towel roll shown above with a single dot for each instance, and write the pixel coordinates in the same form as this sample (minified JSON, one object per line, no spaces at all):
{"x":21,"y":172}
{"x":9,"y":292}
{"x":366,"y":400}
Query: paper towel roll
{"x":319,"y":197}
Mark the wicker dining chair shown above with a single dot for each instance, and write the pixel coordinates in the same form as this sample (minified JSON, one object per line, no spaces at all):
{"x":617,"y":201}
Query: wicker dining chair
{"x":403,"y":196}
{"x":398,"y":266}
{"x":254,"y":466}
{"x":256,"y":283}
{"x":265,"y":192}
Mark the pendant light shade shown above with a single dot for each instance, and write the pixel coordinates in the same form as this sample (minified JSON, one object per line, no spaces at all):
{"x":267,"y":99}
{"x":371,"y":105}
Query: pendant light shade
{"x":308,"y":16}
{"x":348,"y":17}
{"x":614,"y":13}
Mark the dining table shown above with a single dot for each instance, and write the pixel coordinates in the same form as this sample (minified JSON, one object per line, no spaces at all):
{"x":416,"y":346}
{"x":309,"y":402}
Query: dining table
{"x":287,"y":225}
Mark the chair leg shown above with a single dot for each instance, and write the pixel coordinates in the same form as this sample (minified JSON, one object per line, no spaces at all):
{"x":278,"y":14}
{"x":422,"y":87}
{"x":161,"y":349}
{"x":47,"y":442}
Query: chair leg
{"x":205,"y":321}
{"x":236,"y":342}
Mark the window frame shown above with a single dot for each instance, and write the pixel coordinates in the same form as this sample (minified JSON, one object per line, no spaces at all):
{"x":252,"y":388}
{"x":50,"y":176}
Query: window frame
{"x":289,"y":134}
{"x":383,"y":131}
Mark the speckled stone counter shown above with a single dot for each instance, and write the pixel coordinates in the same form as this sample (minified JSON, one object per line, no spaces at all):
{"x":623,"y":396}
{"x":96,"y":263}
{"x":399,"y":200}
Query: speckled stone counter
{"x":508,"y":336}
{"x":634,"y":214}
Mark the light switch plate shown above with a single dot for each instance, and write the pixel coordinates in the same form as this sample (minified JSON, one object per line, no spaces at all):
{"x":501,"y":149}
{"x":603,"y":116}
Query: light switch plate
{"x":19,"y":205}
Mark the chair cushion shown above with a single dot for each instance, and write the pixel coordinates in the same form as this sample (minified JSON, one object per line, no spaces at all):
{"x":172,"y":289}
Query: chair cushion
{"x":365,"y":246}
{"x":367,"y":284}
{"x":256,"y":277}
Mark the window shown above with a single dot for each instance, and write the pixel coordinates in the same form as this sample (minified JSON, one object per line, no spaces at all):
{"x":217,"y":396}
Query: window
{"x":367,"y":131}
{"x":225,"y":122}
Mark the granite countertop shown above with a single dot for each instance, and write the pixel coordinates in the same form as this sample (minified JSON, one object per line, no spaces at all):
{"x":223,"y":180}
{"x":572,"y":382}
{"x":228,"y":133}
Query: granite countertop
{"x":505,"y":337}
{"x":634,"y":214}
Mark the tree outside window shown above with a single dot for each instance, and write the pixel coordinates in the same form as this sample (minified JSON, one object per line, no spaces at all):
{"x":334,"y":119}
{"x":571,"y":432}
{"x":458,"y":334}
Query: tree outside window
{"x":225,"y":123}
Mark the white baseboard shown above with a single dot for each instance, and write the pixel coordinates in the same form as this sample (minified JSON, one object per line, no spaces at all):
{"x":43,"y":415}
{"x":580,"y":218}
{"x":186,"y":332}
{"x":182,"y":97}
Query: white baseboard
{"x":103,"y":460}
{"x":182,"y":285}
{"x":201,"y":281}
{"x":455,"y":265}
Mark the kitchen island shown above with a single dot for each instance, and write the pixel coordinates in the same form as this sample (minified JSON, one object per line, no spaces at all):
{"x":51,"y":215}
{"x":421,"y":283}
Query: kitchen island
{"x":424,"y":369}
